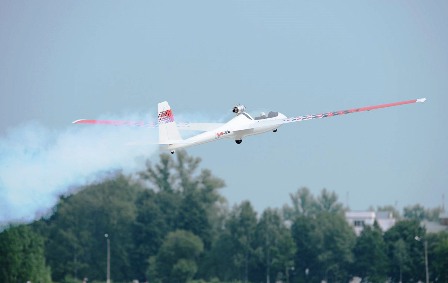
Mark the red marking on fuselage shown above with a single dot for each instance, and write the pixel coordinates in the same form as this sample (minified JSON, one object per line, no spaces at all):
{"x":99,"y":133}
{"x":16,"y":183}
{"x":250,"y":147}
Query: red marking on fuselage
{"x":220,"y":134}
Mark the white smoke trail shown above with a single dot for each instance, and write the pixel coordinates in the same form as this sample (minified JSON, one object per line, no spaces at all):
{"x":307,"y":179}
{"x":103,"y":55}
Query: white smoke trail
{"x":37,"y":165}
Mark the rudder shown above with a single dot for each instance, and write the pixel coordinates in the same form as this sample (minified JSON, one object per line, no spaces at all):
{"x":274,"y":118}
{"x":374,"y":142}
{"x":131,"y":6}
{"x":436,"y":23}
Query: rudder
{"x":168,"y":132}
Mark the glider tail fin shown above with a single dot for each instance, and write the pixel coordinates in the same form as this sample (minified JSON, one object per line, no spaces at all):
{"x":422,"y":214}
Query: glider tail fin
{"x":168,"y":132}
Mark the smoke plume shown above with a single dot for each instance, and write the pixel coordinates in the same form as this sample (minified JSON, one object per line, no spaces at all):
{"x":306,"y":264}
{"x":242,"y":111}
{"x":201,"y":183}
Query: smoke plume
{"x":37,"y":164}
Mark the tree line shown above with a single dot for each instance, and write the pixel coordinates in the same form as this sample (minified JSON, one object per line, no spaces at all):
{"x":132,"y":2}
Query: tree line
{"x":169,"y":223}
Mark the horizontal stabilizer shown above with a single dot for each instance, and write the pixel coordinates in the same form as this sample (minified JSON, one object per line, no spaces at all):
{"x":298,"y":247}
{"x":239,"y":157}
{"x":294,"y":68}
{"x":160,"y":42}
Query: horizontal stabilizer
{"x":198,"y":126}
{"x":173,"y":142}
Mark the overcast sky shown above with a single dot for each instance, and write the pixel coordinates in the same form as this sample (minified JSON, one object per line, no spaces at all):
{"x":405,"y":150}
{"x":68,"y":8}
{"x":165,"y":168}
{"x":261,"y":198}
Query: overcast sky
{"x":65,"y":60}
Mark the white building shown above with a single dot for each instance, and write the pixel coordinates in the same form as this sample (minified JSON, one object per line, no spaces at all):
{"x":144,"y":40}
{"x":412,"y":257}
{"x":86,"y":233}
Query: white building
{"x":359,"y":219}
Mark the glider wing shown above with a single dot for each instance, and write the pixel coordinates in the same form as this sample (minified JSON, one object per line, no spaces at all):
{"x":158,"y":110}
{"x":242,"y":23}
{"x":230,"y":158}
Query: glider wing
{"x":349,"y":111}
{"x":273,"y":122}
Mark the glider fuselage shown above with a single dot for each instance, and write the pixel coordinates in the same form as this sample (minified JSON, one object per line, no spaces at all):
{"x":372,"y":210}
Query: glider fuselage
{"x":237,"y":128}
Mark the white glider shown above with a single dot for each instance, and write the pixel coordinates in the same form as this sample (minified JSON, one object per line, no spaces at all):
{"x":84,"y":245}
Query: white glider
{"x":241,"y":126}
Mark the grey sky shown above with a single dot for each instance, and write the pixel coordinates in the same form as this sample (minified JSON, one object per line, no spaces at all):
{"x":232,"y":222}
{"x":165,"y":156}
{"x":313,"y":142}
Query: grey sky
{"x":61,"y":61}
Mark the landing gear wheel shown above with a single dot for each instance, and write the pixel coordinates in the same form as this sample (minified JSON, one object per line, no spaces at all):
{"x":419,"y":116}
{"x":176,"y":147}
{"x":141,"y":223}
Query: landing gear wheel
{"x":238,"y":141}
{"x":275,"y":130}
{"x":172,"y":152}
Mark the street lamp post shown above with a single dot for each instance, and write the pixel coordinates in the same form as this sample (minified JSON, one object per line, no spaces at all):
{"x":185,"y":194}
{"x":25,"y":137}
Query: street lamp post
{"x":426,"y":261}
{"x":425,"y":245}
{"x":292,"y":268}
{"x":108,"y":257}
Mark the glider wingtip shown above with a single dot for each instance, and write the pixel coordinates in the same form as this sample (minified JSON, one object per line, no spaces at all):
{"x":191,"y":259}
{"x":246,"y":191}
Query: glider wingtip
{"x":421,"y":99}
{"x":81,"y":121}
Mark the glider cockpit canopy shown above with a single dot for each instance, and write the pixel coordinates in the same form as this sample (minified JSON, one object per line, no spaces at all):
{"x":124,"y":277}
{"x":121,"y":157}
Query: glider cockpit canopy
{"x":262,"y":116}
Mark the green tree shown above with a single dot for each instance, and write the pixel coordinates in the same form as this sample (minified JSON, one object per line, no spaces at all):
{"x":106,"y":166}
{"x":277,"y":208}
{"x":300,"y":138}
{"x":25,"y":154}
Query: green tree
{"x":432,"y":214}
{"x":160,"y":175}
{"x":274,"y":244}
{"x":406,"y":255}
{"x":267,"y":234}
{"x":324,"y":247}
{"x":416,"y":212}
{"x":337,"y":241}
{"x":302,"y":204}
{"x":438,"y":251}
{"x":242,"y":224}
{"x":306,"y":258}
{"x":22,"y":256}
{"x":185,"y":194}
{"x":183,"y":197}
{"x":177,"y":258}
{"x":149,"y":229}
{"x":181,"y":176}
{"x":370,"y":258}
{"x":328,"y":202}
{"x":220,"y":261}
{"x":419,"y":213}
{"x":284,"y":259}
{"x":76,"y":242}
{"x":192,"y":217}
{"x":400,"y":257}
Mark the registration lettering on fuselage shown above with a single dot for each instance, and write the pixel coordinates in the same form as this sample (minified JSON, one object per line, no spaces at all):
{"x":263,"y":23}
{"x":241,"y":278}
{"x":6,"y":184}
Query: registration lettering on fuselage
{"x":220,"y":134}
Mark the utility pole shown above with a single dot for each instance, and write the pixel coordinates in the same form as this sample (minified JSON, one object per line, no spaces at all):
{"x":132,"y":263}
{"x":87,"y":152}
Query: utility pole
{"x":426,"y":260}
{"x":108,"y":257}
{"x":425,"y":245}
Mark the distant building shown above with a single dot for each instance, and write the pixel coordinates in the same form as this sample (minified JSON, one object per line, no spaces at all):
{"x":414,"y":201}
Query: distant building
{"x":436,"y":227}
{"x":433,"y":227}
{"x":359,"y":219}
{"x":443,"y":219}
